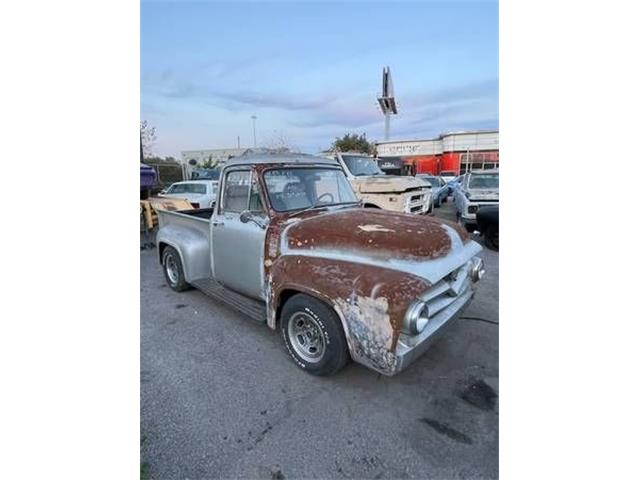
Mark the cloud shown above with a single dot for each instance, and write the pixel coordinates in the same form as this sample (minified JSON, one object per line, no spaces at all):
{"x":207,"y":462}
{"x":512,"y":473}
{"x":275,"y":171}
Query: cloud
{"x":312,"y":120}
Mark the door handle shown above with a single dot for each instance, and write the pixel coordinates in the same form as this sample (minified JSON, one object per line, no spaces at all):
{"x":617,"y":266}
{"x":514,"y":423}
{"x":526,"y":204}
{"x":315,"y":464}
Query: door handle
{"x":215,"y":223}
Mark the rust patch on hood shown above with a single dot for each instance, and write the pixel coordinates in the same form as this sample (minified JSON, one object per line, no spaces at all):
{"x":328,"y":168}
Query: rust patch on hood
{"x":374,"y":233}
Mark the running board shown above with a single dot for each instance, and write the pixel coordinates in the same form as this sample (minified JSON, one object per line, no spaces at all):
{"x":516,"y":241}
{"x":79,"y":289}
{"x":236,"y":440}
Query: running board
{"x":254,"y":309}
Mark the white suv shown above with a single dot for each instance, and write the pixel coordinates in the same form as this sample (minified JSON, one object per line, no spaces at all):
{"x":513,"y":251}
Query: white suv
{"x":477,"y":189}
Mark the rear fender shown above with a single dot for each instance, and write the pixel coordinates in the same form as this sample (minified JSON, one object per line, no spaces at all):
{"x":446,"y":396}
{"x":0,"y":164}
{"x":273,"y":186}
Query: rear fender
{"x":192,"y":246}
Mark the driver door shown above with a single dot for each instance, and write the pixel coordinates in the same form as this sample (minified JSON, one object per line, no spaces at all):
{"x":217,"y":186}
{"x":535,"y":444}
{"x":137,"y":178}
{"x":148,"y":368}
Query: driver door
{"x":238,"y":248}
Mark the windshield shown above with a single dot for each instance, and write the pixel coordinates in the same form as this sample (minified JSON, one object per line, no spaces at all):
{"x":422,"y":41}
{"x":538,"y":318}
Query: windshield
{"x":298,"y":188}
{"x":432,"y":180}
{"x":360,"y":165}
{"x":483,"y":181}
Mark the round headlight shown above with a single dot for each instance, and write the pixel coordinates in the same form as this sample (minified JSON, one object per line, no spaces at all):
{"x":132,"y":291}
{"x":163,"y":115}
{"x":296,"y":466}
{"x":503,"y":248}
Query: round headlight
{"x":417,"y":317}
{"x":477,"y":270}
{"x":422,"y":321}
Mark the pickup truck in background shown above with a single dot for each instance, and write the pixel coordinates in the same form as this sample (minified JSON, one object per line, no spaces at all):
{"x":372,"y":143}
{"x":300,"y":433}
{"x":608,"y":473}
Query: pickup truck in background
{"x":476,"y":190}
{"x":289,"y":244}
{"x":378,"y":190}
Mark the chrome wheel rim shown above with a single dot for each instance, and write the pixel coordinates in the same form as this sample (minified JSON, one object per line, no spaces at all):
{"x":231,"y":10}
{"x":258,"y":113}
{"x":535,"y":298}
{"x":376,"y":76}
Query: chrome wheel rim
{"x":306,"y":337}
{"x":171,"y":266}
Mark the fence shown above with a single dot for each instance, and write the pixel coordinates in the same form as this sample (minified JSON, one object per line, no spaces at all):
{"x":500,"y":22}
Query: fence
{"x":168,"y":173}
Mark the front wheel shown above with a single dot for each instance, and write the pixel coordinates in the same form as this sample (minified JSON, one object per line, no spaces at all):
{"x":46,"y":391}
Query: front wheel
{"x":313,"y":335}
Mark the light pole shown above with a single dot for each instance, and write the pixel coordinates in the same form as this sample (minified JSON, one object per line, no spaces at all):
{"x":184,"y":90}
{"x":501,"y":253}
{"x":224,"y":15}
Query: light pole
{"x":253,"y":117}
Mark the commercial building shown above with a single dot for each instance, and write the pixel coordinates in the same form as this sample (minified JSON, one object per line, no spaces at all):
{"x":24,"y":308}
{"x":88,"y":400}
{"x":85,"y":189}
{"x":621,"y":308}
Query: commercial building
{"x":456,"y":151}
{"x":216,"y":155}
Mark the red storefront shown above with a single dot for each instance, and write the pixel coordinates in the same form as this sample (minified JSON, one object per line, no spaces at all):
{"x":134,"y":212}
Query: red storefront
{"x":458,"y":152}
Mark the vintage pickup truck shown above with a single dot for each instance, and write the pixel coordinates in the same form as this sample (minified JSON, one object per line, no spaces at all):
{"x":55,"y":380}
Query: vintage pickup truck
{"x":378,"y":190}
{"x":290,"y":245}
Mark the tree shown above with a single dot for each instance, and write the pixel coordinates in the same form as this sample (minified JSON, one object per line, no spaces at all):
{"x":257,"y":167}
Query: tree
{"x":279,"y":143}
{"x":147,"y":138}
{"x":352,"y":142}
{"x":209,"y":163}
{"x":159,"y":160}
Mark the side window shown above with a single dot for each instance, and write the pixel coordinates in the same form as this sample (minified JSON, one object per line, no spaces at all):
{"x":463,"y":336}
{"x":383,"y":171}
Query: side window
{"x":255,"y":202}
{"x":236,"y":191}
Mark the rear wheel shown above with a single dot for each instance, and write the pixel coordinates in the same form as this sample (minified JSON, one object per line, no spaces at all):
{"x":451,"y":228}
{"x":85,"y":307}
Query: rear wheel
{"x":313,"y":335}
{"x":173,"y":270}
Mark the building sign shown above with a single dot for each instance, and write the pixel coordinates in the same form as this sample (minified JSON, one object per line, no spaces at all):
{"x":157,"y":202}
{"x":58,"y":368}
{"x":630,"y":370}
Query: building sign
{"x":407,"y":148}
{"x":390,"y":163}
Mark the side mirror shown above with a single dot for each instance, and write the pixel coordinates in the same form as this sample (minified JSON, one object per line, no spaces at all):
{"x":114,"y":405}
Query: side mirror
{"x":246,"y":216}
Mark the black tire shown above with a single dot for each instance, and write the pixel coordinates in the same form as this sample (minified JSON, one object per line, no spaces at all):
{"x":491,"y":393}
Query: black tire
{"x":171,"y":261}
{"x":436,"y":203}
{"x":444,"y":200}
{"x":334,"y":354}
{"x":491,"y":237}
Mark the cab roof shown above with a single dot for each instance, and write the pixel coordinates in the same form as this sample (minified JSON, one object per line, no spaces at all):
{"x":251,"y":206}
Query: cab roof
{"x":284,"y":158}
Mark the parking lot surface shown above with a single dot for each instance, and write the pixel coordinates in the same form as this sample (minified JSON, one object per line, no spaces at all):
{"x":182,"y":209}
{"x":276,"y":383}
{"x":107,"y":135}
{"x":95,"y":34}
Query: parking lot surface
{"x":220,"y":397}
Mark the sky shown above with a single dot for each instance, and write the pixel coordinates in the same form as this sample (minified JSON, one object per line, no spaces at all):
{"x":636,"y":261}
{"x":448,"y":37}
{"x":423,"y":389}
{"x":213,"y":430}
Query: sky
{"x":311,"y":71}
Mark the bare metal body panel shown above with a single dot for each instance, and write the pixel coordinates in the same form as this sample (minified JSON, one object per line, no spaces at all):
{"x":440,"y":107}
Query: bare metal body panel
{"x":189,"y":235}
{"x":370,"y":266}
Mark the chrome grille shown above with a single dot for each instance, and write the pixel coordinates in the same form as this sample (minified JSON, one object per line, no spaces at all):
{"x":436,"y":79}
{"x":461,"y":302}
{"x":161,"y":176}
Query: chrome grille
{"x":447,"y":290}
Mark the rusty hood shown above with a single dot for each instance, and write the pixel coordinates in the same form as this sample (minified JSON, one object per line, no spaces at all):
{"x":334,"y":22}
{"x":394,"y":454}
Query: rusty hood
{"x":416,"y":244}
{"x":387,"y":184}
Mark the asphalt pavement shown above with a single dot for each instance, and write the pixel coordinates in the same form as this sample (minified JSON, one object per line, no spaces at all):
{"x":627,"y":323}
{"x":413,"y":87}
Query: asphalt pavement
{"x":220,"y":397}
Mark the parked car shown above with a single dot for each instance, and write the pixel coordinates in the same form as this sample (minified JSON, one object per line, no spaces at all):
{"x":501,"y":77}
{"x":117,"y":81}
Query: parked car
{"x":378,"y":190}
{"x":452,"y":185}
{"x":201,"y":193}
{"x":448,"y":175}
{"x":289,"y":244}
{"x":477,"y":189}
{"x":488,"y":220}
{"x":439,"y":188}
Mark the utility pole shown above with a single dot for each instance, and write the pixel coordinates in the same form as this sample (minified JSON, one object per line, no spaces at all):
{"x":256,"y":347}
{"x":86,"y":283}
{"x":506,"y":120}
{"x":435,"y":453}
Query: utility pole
{"x":387,"y":100}
{"x":253,"y":117}
{"x":238,"y":141}
{"x":387,"y":121}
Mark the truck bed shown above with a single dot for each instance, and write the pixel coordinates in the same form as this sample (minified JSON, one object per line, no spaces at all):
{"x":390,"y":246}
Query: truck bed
{"x":196,"y":218}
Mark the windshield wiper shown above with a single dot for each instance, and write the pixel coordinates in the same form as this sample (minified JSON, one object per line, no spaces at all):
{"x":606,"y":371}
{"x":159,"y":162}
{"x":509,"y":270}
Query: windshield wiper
{"x":322,"y":205}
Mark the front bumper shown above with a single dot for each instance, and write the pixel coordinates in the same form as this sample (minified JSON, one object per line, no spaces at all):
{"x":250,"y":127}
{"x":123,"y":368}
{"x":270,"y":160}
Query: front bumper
{"x":409,"y":348}
{"x":418,"y":203}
